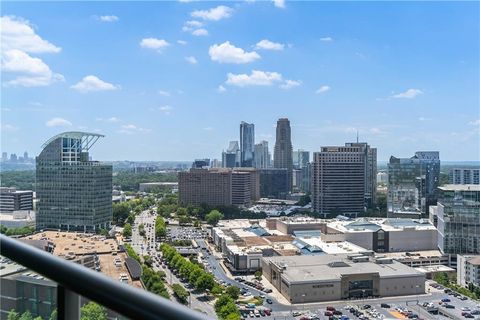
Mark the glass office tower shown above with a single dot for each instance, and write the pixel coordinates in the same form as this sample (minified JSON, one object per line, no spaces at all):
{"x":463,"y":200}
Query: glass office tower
{"x":412,"y":184}
{"x":73,"y":192}
{"x":459,"y":219}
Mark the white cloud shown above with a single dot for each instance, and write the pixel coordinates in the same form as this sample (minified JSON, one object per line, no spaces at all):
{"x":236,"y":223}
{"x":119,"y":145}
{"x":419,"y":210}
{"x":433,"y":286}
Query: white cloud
{"x":227,"y":53}
{"x":182,"y":42}
{"x":214,"y":14}
{"x":208,"y":128}
{"x":29,"y":71}
{"x":409,"y":94}
{"x":322,"y":89}
{"x":475,"y":122}
{"x":108,"y":18}
{"x":131,"y":129}
{"x":92,"y":83}
{"x":17,"y":33}
{"x":164,"y":93}
{"x":194,"y":24}
{"x":279,"y":3}
{"x":289,"y":84}
{"x":165,"y":109}
{"x":269,"y":45}
{"x":8,"y":127}
{"x":58,"y":122}
{"x":111,"y":119}
{"x":200,"y":32}
{"x":221,"y":89}
{"x":154,"y":43}
{"x":191,"y":60}
{"x":256,"y":78}
{"x":326,"y":39}
{"x":18,"y":41}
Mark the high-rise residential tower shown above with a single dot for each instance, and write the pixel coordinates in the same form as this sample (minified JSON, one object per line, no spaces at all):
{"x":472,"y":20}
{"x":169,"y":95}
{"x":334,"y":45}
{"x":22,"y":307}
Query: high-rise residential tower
{"x":412,"y":184}
{"x":370,"y":162}
{"x":282,"y":156}
{"x":247,"y":144}
{"x":338,"y":180}
{"x":261,"y":155}
{"x":73,"y":192}
{"x":458,"y":214}
{"x":464,"y":176}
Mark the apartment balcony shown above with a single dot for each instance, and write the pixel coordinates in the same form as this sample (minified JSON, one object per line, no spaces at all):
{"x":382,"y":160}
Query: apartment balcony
{"x":75,"y":281}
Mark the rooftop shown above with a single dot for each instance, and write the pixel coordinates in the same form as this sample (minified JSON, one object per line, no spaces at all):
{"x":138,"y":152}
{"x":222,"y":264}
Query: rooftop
{"x":474,"y":261}
{"x":331,"y":267}
{"x":460,"y":187}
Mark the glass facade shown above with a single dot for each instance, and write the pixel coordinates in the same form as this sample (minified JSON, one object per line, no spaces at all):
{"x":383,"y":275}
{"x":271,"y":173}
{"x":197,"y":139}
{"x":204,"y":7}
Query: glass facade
{"x":73,"y":192}
{"x":459,"y":219}
{"x":412,"y":183}
{"x":247,"y":144}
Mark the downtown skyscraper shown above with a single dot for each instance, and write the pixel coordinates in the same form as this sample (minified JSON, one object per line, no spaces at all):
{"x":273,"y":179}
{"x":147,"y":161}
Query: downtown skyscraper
{"x":247,"y":144}
{"x":283,"y":157}
{"x":261,"y":155}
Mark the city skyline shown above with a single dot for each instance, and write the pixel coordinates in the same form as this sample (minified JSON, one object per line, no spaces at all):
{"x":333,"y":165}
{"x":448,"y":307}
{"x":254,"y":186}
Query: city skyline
{"x":396,"y":73}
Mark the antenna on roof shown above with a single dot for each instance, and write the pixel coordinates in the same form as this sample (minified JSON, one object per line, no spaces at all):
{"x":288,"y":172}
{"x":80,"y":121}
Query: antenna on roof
{"x":357,"y":136}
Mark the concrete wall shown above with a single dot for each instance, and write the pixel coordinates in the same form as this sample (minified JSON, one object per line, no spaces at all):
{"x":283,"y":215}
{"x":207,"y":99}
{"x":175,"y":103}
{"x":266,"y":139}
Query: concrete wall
{"x":413,"y":240}
{"x":402,"y":286}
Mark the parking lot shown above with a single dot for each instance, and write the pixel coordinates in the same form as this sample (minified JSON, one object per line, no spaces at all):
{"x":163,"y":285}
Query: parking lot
{"x":185,"y":233}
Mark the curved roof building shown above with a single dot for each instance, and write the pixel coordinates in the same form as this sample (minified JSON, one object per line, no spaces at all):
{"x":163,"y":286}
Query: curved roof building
{"x":73,"y":192}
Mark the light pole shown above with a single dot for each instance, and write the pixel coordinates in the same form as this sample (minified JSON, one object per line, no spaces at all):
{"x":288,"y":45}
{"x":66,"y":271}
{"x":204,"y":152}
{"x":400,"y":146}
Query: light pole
{"x":303,"y":297}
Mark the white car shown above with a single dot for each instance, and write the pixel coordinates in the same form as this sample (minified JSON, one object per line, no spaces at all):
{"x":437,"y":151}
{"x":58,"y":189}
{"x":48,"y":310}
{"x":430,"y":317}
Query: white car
{"x":466,"y":309}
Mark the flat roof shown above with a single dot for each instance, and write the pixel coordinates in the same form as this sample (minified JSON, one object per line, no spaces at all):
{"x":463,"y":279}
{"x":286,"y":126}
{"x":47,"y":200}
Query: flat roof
{"x":386,"y":224}
{"x":317,"y":268}
{"x":460,"y":187}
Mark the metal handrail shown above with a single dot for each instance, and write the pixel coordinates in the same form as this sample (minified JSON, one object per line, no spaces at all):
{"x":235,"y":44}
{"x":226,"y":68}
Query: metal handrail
{"x":127,"y":300}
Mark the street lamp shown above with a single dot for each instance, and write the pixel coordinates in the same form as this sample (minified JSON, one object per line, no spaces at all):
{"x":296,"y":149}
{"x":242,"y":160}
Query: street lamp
{"x":416,"y":291}
{"x":303,"y":296}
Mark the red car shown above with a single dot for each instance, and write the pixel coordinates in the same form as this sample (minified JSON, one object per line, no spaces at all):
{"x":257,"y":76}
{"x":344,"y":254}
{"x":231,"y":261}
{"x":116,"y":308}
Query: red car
{"x":330,"y":308}
{"x":268,"y":312}
{"x":328,"y":313}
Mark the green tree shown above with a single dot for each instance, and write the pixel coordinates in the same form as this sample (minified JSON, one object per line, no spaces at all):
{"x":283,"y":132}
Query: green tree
{"x":127,"y":230}
{"x":26,"y":316}
{"x":180,"y":293}
{"x":120,"y":212}
{"x":233,"y":292}
{"x":258,"y":274}
{"x":93,"y":311}
{"x":213,"y":217}
{"x":205,"y":282}
{"x":13,"y":315}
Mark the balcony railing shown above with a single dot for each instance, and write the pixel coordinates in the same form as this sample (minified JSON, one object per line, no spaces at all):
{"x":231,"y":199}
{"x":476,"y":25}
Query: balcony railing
{"x":74,"y":280}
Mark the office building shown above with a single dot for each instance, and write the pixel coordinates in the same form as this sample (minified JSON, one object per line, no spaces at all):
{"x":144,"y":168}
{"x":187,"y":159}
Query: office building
{"x":282,"y":156}
{"x":384,"y":235}
{"x":218,"y":187}
{"x":274,"y":183}
{"x":458,"y":216}
{"x":231,"y":157}
{"x":73,"y":193}
{"x":261,"y":155}
{"x":201,"y":163}
{"x":464,"y":176}
{"x":412,"y":184}
{"x":468,"y":270}
{"x":382,"y":178}
{"x":300,"y":158}
{"x":247,"y":144}
{"x":4,"y":156}
{"x":315,"y":278}
{"x":12,"y":199}
{"x":370,"y":162}
{"x":13,"y":157}
{"x":338,"y":180}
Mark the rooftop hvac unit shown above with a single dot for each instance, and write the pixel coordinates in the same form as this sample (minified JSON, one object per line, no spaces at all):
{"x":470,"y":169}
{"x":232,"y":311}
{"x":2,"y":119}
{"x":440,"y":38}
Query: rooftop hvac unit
{"x":360,"y":259}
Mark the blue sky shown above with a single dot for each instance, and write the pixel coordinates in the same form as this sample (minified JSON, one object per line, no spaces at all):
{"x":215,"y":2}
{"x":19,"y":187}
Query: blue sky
{"x":173,"y":80}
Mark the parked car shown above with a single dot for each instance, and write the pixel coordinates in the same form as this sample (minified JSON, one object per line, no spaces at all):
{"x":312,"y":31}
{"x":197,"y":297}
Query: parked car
{"x":328,"y":313}
{"x":330,"y":308}
{"x":385,"y":305}
{"x":449,"y":306}
{"x":446,"y":300}
{"x":269,"y":301}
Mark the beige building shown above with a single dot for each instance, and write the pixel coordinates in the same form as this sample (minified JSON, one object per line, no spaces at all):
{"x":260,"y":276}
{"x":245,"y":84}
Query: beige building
{"x":219,"y":187}
{"x":303,"y":279}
